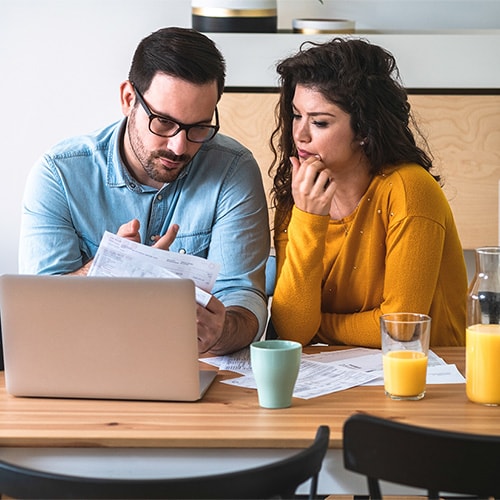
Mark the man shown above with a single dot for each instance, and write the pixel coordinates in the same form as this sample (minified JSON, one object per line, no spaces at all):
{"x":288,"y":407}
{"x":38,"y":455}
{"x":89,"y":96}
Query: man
{"x":163,"y":177}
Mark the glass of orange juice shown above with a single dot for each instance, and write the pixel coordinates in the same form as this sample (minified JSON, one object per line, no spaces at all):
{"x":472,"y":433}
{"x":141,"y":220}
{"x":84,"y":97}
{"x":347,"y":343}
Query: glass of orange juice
{"x":482,"y":364}
{"x":405,"y":348}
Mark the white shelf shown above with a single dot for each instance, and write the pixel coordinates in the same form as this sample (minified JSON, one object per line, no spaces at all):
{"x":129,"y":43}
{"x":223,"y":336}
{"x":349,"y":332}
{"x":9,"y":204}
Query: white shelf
{"x":455,"y":59}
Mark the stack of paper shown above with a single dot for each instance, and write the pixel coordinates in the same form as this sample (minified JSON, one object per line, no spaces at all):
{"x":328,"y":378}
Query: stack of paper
{"x":120,"y":257}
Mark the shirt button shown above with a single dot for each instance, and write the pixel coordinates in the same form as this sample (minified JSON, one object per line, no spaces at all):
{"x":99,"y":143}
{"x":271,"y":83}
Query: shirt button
{"x":152,"y":238}
{"x":159,"y":197}
{"x":182,"y":250}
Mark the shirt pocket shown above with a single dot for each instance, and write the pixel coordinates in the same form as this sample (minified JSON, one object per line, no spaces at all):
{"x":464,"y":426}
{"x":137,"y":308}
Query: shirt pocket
{"x":192,"y":244}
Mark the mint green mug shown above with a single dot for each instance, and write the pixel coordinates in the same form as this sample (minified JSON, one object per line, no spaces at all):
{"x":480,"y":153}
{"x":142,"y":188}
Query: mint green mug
{"x":275,"y":366}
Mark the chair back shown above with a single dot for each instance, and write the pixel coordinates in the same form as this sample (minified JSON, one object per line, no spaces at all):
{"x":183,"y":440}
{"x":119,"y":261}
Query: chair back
{"x":279,"y":479}
{"x":270,"y":275}
{"x":431,"y":459}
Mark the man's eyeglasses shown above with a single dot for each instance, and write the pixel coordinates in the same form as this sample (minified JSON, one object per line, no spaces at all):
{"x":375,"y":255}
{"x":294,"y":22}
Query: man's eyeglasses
{"x":166,"y":127}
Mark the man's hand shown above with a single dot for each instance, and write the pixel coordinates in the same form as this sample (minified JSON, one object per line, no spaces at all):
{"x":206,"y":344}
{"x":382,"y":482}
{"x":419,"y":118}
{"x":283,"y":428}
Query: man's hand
{"x":222,"y":330}
{"x":210,"y":321}
{"x":168,"y":238}
{"x":130,"y":230}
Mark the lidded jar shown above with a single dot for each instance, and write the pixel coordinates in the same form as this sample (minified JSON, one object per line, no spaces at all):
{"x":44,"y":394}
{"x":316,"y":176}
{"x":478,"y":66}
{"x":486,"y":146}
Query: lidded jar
{"x":482,"y":371}
{"x":235,"y":16}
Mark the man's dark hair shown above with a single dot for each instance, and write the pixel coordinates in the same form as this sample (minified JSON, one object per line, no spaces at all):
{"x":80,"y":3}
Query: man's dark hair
{"x":179,"y":52}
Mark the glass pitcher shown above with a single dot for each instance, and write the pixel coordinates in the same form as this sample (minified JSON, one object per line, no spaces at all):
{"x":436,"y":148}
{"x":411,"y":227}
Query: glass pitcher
{"x":483,"y":329}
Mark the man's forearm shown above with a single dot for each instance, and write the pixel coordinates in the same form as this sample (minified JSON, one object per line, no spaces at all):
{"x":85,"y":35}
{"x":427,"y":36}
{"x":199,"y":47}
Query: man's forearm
{"x":83,"y":271}
{"x":240,"y":328}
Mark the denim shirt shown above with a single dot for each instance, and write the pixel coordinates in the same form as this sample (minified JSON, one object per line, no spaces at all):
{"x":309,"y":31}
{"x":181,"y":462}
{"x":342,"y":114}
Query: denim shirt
{"x":81,"y":188}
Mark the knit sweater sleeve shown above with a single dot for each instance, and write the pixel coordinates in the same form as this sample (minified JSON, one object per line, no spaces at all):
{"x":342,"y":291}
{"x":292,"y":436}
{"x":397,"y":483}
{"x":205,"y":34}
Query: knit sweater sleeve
{"x":413,"y":258}
{"x":296,"y":305}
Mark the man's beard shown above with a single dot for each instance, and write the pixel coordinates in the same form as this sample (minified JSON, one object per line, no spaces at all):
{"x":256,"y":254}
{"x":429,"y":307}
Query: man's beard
{"x":156,"y":171}
{"x":151,"y":162}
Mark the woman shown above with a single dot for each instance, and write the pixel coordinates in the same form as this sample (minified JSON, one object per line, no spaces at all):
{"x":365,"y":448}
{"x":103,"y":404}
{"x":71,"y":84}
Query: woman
{"x":362,"y":226}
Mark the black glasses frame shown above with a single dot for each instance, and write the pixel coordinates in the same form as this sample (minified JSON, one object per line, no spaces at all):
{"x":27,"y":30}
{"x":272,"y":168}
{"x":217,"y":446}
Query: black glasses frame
{"x":180,"y":126}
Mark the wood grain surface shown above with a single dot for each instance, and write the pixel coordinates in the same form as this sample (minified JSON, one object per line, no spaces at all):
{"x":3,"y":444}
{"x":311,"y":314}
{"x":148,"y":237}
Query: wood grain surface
{"x":230,"y":417}
{"x":463,"y":132}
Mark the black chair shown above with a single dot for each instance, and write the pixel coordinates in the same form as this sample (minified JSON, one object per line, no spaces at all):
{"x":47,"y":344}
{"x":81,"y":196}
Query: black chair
{"x":270,"y":331}
{"x":276,"y":480}
{"x":434,"y":460}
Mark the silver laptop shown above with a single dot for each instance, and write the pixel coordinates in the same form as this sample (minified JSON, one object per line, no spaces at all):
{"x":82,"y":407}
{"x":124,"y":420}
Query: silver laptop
{"x":106,"y":338}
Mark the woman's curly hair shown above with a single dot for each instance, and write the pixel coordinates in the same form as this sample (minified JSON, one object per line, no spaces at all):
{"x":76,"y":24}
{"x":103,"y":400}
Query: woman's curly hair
{"x":363,"y":80}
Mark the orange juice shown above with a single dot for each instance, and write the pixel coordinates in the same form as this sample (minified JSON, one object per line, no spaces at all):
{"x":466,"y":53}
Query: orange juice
{"x":482,"y":369}
{"x":405,"y":373}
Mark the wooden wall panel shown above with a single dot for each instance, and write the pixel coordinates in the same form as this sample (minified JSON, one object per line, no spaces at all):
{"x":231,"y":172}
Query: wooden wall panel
{"x":249,"y":118}
{"x":463,"y":132}
{"x":464,"y":136}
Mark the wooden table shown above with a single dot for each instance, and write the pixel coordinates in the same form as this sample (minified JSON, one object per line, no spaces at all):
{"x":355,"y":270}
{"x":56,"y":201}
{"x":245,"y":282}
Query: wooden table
{"x":228,"y":417}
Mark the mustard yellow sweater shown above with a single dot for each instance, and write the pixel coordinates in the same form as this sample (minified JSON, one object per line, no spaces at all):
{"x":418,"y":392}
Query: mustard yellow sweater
{"x":401,"y":253}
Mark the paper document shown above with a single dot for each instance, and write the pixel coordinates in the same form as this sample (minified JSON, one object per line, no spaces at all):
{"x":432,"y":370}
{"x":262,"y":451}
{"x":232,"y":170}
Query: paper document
{"x":333,"y":371}
{"x":120,"y":257}
{"x":314,"y":379}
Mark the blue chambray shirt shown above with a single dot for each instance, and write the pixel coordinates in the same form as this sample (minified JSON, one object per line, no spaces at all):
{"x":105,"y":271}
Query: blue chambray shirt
{"x":81,"y":188}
